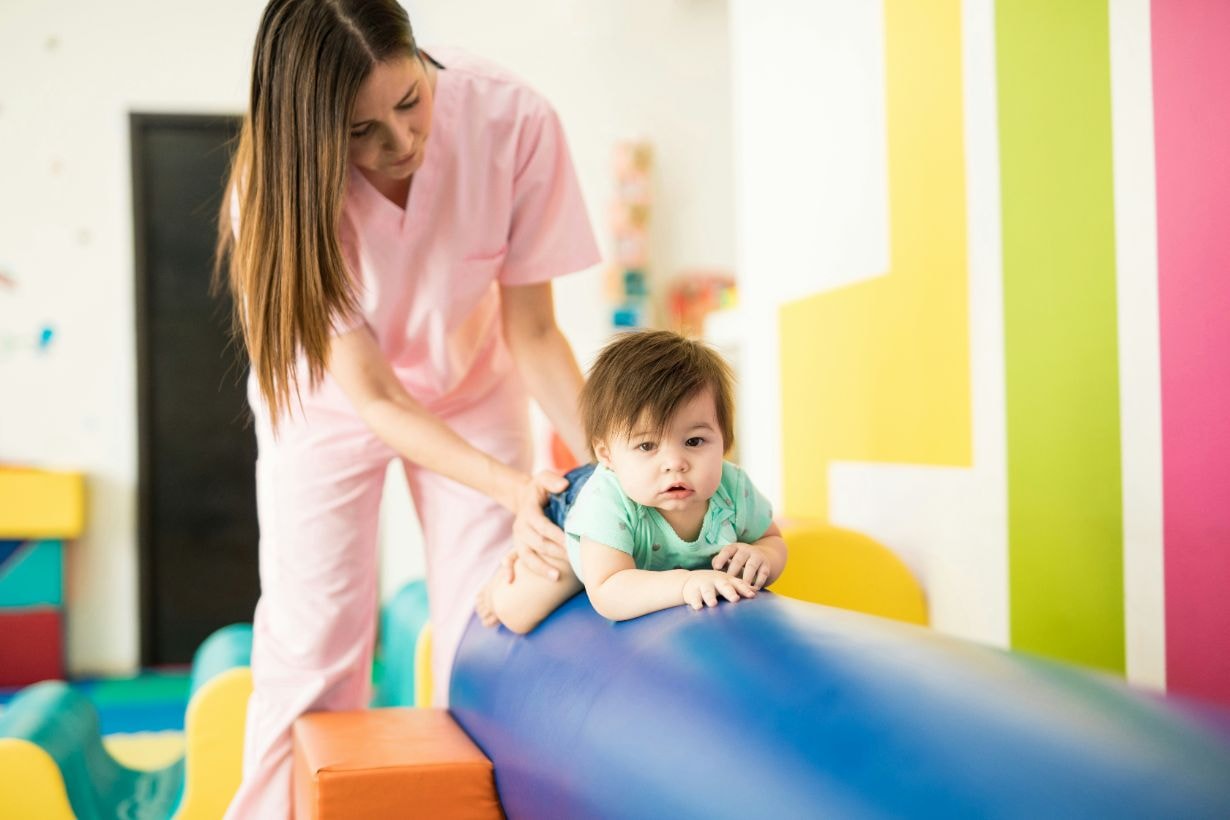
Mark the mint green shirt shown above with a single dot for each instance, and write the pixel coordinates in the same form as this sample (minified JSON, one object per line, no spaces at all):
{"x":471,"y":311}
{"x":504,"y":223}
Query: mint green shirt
{"x":603,"y":513}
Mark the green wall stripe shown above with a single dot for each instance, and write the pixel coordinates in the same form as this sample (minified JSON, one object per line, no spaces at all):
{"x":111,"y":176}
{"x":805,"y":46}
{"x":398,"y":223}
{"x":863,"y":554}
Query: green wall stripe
{"x":1065,"y":527}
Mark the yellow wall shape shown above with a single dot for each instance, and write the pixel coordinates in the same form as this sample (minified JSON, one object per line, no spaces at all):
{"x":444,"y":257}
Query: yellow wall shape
{"x":880,"y":370}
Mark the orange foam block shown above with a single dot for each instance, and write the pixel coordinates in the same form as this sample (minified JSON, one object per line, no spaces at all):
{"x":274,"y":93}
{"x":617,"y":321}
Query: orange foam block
{"x":380,"y":763}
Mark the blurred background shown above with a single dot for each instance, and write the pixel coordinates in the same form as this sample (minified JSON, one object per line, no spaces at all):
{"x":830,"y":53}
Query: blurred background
{"x":969,"y":261}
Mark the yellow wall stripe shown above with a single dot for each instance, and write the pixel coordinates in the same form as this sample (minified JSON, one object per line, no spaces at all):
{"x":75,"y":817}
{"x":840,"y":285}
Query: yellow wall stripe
{"x":880,"y":370}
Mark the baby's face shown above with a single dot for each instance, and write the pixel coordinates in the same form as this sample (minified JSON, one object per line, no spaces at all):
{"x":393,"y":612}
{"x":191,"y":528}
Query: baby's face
{"x":677,"y":473}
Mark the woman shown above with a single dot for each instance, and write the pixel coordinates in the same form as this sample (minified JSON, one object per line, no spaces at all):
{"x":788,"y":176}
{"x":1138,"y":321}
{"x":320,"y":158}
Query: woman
{"x":394,"y":222}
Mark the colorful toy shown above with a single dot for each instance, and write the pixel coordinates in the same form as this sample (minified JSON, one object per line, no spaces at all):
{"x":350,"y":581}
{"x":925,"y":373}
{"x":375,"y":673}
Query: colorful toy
{"x":37,"y":510}
{"x":628,"y":276}
{"x":693,"y":295}
{"x":53,"y":763}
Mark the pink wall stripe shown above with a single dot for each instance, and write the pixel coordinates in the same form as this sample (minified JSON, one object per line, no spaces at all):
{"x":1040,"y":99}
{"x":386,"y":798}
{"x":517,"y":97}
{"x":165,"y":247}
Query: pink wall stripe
{"x":1191,"y":75}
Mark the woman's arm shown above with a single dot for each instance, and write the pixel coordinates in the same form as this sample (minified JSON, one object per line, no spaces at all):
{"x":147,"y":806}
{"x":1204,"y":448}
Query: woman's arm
{"x":544,"y":359}
{"x":619,"y":591}
{"x":360,"y":368}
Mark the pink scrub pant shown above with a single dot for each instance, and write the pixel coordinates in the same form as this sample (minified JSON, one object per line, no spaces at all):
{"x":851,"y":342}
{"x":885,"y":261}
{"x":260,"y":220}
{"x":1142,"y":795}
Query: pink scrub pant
{"x":318,"y":496}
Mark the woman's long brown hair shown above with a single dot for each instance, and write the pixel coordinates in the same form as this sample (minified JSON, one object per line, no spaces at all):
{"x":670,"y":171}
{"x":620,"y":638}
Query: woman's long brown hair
{"x":278,"y":249}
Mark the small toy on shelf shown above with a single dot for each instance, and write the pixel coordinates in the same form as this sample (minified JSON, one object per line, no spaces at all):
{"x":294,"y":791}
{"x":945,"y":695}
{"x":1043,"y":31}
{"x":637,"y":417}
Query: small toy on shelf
{"x":628,"y":278}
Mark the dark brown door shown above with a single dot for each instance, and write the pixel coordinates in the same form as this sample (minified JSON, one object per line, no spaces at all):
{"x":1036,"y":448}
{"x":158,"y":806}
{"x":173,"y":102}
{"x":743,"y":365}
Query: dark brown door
{"x":197,"y":507}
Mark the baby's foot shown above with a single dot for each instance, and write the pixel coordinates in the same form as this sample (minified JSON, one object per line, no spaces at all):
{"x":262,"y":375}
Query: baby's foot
{"x":484,"y":603}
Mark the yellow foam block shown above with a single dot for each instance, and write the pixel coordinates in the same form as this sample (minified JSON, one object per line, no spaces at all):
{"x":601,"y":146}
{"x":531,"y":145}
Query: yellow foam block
{"x":422,"y":667}
{"x":41,"y":504}
{"x":30,"y":783}
{"x":213,"y":732}
{"x":843,"y":568}
{"x":146,"y":751}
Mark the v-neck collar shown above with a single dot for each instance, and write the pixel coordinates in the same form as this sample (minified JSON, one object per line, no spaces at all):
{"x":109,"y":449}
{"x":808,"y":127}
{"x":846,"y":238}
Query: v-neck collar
{"x":668,"y":529}
{"x":422,"y":184}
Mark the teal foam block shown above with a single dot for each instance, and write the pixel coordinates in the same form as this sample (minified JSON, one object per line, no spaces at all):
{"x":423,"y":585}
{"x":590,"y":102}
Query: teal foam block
{"x":401,"y":621}
{"x":65,"y":725}
{"x":33,"y":575}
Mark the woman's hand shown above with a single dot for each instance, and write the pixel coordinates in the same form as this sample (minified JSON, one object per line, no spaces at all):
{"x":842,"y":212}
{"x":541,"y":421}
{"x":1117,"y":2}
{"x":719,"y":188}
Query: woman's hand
{"x":536,"y":537}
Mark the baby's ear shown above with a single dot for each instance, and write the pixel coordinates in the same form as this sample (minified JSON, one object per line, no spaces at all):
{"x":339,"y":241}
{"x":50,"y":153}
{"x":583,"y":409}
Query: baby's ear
{"x":602,"y":453}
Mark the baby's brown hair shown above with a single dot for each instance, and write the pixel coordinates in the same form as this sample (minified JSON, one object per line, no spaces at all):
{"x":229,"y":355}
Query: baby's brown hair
{"x":646,"y":376}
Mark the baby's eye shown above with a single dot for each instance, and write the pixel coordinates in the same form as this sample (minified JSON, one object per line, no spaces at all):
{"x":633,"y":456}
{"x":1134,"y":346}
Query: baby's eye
{"x":695,"y":441}
{"x":645,"y":446}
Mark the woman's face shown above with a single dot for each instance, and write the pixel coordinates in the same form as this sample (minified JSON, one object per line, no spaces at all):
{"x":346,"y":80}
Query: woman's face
{"x":391,"y":119}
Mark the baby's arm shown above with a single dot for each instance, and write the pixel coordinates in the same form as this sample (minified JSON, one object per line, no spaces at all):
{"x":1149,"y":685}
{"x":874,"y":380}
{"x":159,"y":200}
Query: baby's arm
{"x":523,"y":603}
{"x":619,"y":591}
{"x":759,"y":563}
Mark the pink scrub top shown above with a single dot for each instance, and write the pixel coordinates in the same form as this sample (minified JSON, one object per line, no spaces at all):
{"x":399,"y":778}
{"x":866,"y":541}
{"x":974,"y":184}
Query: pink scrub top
{"x":495,"y":202}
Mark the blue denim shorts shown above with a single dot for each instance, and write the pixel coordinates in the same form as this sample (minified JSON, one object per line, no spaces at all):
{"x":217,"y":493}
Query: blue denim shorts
{"x":558,"y":504}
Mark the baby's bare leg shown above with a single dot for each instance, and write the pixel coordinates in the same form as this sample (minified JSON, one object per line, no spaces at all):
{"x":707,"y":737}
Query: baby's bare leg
{"x":523,"y":604}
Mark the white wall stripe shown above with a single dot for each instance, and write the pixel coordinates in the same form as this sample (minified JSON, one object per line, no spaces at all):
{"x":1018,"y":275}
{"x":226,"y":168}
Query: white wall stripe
{"x":1139,"y":349}
{"x":810,"y":183}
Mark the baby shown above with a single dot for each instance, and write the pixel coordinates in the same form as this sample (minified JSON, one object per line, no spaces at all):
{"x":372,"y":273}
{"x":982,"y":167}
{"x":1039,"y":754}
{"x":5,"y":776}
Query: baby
{"x":662,"y":519}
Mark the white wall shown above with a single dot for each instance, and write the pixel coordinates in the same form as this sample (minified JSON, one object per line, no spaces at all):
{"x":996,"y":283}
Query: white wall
{"x":811,"y":182}
{"x":71,"y":72}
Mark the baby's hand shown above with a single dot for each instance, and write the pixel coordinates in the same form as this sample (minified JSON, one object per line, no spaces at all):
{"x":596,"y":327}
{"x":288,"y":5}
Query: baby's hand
{"x":746,"y":561}
{"x":702,"y":587}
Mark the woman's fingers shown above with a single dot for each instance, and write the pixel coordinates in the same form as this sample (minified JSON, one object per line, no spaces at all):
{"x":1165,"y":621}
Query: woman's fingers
{"x":724,"y":555}
{"x":551,"y":482}
{"x":536,"y":538}
{"x":508,"y":567}
{"x":762,"y":577}
{"x":550,"y":536}
{"x":535,"y":564}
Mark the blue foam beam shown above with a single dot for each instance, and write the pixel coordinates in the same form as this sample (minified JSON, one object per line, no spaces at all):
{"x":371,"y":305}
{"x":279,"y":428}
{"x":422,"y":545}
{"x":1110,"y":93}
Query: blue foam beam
{"x":778,"y":708}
